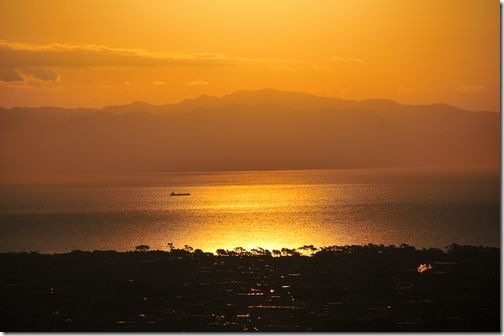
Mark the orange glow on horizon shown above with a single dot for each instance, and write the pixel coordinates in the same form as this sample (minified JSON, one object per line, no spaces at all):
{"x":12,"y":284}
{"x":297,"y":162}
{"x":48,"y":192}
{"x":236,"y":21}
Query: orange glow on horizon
{"x":254,"y":216}
{"x":251,"y":218}
{"x":97,"y":53}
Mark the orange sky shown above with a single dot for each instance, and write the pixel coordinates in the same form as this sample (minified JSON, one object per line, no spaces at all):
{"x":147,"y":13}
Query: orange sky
{"x":95,"y":53}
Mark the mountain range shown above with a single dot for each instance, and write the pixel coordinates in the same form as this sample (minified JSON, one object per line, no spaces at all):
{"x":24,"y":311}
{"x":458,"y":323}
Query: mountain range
{"x":246,"y":130}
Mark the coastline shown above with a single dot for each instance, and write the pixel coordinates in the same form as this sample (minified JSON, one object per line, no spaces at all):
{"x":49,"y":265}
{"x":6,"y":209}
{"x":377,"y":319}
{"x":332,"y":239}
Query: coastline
{"x":345,"y":288}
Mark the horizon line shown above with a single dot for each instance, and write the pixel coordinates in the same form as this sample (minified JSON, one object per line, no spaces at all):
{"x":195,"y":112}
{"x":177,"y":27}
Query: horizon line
{"x":102,"y":107}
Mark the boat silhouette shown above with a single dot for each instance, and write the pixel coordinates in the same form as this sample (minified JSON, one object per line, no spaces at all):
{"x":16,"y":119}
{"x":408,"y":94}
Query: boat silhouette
{"x":180,"y":194}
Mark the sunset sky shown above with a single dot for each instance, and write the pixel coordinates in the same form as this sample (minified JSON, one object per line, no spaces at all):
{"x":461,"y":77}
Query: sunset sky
{"x":92,"y":53}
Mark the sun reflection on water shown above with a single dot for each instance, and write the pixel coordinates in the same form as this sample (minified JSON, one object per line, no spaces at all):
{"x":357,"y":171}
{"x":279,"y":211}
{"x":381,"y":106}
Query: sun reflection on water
{"x":255,"y":209}
{"x":268,"y":216}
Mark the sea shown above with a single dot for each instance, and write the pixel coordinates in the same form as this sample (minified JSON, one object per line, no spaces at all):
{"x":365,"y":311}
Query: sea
{"x":422,"y":207}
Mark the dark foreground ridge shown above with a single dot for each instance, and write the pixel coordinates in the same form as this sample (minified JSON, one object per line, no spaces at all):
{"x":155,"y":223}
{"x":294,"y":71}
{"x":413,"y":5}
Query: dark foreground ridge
{"x":351,"y":288}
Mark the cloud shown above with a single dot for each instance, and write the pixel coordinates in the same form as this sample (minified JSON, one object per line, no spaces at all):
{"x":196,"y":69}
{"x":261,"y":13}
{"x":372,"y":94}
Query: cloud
{"x":346,"y":59}
{"x":10,"y":75}
{"x":42,"y":74}
{"x":20,"y":55}
{"x":33,"y":64}
{"x":28,"y":75}
{"x":470,"y":89}
{"x":198,"y":82}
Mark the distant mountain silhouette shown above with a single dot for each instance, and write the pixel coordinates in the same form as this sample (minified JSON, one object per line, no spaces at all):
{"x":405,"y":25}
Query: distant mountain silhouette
{"x":246,"y":130}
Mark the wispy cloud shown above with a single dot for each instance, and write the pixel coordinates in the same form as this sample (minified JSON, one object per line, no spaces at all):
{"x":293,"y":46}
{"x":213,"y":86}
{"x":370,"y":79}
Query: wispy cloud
{"x":21,"y":55}
{"x":340,"y":59}
{"x":198,"y":82}
{"x":10,"y":75}
{"x":14,"y":76}
{"x":25,"y":63}
{"x":158,"y":83}
{"x":470,"y":89}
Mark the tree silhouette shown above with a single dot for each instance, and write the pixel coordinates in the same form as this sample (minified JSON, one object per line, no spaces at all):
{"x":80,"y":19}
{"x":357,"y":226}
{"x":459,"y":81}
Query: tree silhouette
{"x":242,"y":252}
{"x":289,"y":252}
{"x":221,"y":252}
{"x":308,"y":249}
{"x":142,"y":248}
{"x":259,"y":251}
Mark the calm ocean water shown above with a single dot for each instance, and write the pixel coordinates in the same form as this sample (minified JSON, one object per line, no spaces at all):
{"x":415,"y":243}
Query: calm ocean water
{"x":420,"y":207}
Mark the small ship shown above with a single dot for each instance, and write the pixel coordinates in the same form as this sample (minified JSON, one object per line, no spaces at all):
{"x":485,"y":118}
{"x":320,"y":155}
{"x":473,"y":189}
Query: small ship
{"x":180,"y":194}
